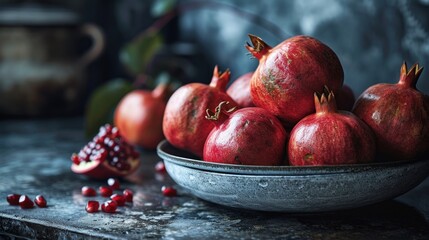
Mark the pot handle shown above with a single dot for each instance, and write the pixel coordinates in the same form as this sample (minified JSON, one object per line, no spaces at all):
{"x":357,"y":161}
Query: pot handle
{"x":97,"y":37}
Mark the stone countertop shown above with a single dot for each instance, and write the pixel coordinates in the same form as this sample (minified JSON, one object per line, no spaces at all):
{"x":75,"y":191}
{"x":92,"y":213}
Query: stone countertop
{"x":35,"y":159}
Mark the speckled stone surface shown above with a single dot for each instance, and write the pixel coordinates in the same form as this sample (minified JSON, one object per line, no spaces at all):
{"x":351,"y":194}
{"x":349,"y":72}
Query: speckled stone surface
{"x":34,"y":159}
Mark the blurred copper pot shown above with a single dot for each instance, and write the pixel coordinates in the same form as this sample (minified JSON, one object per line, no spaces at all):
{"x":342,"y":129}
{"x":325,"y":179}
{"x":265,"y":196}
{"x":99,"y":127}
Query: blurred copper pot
{"x":41,"y":72}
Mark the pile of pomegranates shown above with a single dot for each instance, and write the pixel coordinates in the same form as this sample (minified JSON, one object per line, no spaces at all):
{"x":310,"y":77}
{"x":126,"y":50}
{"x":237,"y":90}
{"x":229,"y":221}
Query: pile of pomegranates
{"x":294,"y":109}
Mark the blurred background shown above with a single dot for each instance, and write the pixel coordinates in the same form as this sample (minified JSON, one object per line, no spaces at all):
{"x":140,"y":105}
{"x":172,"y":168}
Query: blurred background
{"x":56,"y":55}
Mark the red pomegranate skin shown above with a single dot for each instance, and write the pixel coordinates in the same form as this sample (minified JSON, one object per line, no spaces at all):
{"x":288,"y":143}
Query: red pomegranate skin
{"x":345,"y":98}
{"x":250,"y":136}
{"x":139,"y":116}
{"x":398,"y":114}
{"x":184,"y":123}
{"x":239,"y":90}
{"x":289,"y":73}
{"x":330,"y":137}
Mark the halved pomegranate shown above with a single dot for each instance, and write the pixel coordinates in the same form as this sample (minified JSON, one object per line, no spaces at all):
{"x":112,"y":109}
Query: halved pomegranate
{"x":107,"y":155}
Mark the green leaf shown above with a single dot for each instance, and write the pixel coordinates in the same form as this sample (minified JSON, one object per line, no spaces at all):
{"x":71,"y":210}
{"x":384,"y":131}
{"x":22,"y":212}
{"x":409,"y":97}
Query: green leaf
{"x":161,"y":7}
{"x":102,"y":104}
{"x":137,"y":54}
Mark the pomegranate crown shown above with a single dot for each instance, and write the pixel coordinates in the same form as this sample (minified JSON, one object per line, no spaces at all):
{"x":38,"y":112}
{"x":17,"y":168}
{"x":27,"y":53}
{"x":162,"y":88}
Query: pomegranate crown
{"x":259,"y":47}
{"x":210,"y":115}
{"x":409,"y":77}
{"x":220,"y":79}
{"x":325,"y":102}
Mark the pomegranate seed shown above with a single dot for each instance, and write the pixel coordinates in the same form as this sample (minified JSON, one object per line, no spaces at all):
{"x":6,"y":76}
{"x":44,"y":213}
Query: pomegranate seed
{"x":168,"y":191}
{"x":105,"y":191}
{"x":160,"y":167}
{"x":92,"y":206}
{"x":128,"y":195}
{"x":75,"y":159}
{"x":40,"y":201}
{"x":25,"y":202}
{"x":13,"y":199}
{"x":88,"y":191}
{"x":119,"y":199}
{"x":113,"y":183}
{"x":109,"y":206}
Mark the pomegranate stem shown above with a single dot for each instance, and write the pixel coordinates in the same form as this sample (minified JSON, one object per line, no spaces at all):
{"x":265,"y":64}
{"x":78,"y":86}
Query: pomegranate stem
{"x":215,"y":116}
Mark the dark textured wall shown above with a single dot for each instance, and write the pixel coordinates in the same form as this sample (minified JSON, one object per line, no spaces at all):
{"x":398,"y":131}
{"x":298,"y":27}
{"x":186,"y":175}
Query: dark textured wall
{"x":372,"y":38}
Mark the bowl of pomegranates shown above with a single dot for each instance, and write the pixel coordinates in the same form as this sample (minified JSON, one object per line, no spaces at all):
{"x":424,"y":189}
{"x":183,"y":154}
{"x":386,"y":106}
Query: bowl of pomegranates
{"x":292,"y":188}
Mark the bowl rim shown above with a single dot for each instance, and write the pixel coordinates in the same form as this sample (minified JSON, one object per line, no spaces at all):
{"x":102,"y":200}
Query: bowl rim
{"x":168,"y":153}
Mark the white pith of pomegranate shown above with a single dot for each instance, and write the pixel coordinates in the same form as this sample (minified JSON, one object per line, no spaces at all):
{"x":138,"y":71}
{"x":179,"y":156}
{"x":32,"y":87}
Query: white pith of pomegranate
{"x":106,"y":155}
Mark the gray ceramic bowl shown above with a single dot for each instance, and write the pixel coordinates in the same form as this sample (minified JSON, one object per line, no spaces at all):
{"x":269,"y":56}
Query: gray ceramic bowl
{"x":289,"y":188}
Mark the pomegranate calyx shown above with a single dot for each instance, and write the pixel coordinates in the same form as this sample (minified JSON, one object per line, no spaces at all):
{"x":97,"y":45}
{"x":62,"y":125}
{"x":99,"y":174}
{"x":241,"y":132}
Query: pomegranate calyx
{"x":325,"y":102}
{"x":210,"y":115}
{"x":259,"y":48}
{"x":160,"y":91}
{"x":220,"y":80}
{"x":409,"y":77}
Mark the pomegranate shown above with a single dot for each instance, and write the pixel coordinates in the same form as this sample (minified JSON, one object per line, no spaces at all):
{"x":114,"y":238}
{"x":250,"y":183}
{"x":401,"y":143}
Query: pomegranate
{"x":239,"y":90}
{"x":169,"y":191}
{"x":109,"y":206}
{"x":128,"y":195}
{"x":345,"y":98}
{"x":13,"y":199}
{"x":289,"y":73}
{"x":330,"y":137}
{"x":250,"y":136}
{"x":184,"y":124}
{"x":92,"y":206}
{"x":88,"y":191}
{"x":113,"y":183}
{"x":160,"y":167}
{"x":118,"y":198}
{"x":139,"y":114}
{"x":107,"y":155}
{"x":398,"y":114}
{"x":25,"y":202}
{"x":40,"y":201}
{"x":105,"y":191}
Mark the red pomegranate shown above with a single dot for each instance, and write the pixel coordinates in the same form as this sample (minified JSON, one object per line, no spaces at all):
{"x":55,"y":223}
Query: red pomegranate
{"x":184,"y":125}
{"x":398,"y":114}
{"x":249,"y":136}
{"x":345,"y":98}
{"x":239,"y":90}
{"x":289,"y":73}
{"x":330,"y":137}
{"x":106,"y":155}
{"x":139,"y":115}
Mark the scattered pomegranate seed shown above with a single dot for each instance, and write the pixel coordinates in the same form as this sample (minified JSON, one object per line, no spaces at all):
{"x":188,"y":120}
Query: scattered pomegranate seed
{"x":92,"y":206}
{"x":168,"y":191}
{"x":109,"y":206}
{"x":113,"y":183}
{"x":105,"y":191}
{"x":40,"y":201}
{"x":13,"y":199}
{"x":88,"y":191}
{"x":160,"y":167}
{"x":119,"y":199}
{"x":25,"y":202}
{"x":128,"y":195}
